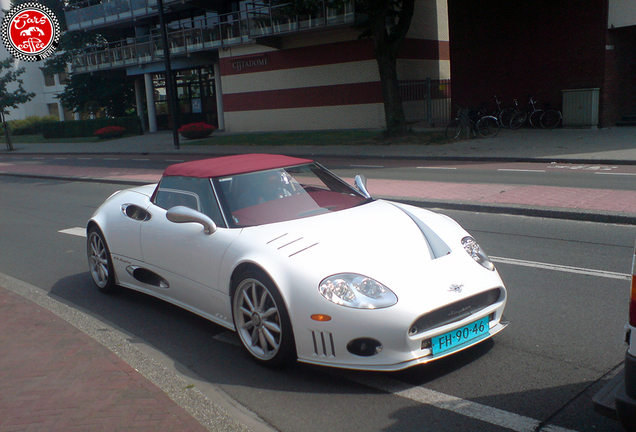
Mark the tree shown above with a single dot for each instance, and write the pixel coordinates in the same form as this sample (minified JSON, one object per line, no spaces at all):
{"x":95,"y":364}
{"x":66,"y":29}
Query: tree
{"x":387,"y":23}
{"x":91,"y":93}
{"x":87,"y":93}
{"x":11,"y":100}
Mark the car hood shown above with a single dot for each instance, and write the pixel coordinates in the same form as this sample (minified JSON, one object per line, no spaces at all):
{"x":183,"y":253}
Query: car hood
{"x":416,"y":253}
{"x":377,"y":239}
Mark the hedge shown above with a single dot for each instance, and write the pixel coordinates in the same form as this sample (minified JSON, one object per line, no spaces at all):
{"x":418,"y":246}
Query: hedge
{"x":32,"y":125}
{"x":87,"y":128}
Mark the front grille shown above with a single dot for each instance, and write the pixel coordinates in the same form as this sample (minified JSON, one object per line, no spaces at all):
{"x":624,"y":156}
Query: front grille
{"x":456,"y":311}
{"x":323,"y":344}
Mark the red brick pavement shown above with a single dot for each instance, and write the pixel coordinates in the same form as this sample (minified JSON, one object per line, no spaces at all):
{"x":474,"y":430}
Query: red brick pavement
{"x":54,"y":378}
{"x":539,"y":196}
{"x":615,"y":201}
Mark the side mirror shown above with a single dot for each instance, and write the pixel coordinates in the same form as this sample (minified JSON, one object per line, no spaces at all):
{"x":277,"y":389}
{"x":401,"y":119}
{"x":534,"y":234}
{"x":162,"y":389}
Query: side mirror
{"x":182,"y":214}
{"x":361,"y":183}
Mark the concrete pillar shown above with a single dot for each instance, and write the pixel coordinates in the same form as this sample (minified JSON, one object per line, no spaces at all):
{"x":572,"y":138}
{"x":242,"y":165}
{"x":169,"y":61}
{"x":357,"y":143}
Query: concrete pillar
{"x":218,"y":89}
{"x":60,"y":111}
{"x":150,"y":103}
{"x":139,"y":101}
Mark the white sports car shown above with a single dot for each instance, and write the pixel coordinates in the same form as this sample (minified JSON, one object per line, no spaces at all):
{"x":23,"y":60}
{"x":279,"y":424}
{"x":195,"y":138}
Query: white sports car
{"x":299,"y":263}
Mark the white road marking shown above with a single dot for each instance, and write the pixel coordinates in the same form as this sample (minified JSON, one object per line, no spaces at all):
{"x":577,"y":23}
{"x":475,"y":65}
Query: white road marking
{"x":612,"y":173}
{"x":562,"y":268}
{"x":491,"y":415}
{"x":111,"y":159}
{"x":437,"y":168}
{"x":76,"y":231}
{"x":366,"y":166}
{"x":583,"y":167}
{"x":520,"y":170}
{"x":457,"y":405}
{"x":174,"y":160}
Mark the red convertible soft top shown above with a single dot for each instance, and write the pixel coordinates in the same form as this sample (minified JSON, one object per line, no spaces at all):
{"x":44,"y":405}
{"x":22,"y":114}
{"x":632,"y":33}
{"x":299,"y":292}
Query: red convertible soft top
{"x":232,"y":165}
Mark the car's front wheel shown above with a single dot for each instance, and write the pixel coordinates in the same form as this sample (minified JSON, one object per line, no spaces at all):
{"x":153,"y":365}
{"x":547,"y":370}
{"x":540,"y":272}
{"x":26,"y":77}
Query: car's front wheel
{"x":262,"y":321}
{"x":100,"y":263}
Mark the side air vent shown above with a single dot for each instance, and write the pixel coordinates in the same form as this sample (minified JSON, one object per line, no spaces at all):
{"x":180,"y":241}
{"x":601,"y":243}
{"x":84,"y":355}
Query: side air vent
{"x":135,"y":212}
{"x":146,"y":276}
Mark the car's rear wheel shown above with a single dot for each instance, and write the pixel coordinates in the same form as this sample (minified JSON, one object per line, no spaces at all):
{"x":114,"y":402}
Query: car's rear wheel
{"x":262,"y":321}
{"x":100,"y":263}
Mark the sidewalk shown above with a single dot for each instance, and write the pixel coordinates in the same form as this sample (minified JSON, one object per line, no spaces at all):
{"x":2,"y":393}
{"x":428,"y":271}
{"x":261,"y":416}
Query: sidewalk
{"x":53,"y":377}
{"x":612,"y":145}
{"x":58,"y":373}
{"x":61,"y":370}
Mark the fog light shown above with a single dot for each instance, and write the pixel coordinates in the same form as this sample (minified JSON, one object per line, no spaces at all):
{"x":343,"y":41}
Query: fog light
{"x":364,"y":347}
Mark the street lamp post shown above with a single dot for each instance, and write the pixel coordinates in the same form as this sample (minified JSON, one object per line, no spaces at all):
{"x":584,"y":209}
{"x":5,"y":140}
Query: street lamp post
{"x":169,"y":82}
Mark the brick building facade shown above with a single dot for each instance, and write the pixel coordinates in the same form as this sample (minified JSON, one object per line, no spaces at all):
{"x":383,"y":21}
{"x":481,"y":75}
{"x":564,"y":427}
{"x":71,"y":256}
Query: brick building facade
{"x":543,"y":48}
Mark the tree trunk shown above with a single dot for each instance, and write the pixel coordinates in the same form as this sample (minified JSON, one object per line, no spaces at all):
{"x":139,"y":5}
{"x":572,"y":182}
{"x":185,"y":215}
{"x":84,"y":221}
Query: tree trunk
{"x":386,"y":44}
{"x":7,"y":135}
{"x":393,"y":109}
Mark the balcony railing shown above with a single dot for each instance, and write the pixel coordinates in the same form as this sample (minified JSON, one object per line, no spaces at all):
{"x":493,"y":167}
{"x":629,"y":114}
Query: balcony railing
{"x":206,"y":33}
{"x":266,"y":21}
{"x":89,"y":14}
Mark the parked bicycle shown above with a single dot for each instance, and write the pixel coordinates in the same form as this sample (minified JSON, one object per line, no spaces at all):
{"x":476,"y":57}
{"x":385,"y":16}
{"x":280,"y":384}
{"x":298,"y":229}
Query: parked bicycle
{"x":551,"y":118}
{"x":530,"y":114}
{"x":504,"y":115}
{"x":472,"y":121}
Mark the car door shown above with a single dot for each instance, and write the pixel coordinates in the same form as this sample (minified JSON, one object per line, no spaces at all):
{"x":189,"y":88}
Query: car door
{"x":181,"y":253}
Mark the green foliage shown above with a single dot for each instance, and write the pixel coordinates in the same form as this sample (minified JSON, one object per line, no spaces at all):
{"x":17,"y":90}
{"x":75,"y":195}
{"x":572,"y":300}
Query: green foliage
{"x":86,"y":93}
{"x":11,"y":100}
{"x":32,"y":125}
{"x":89,"y":93}
{"x":87,"y":128}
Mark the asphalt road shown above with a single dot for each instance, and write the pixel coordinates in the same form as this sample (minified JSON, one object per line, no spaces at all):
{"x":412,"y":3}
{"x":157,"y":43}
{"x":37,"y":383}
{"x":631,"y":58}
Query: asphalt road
{"x":565,"y":333}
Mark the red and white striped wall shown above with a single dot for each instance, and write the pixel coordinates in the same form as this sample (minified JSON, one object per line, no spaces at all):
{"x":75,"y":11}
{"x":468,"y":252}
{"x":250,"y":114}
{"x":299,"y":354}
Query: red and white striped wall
{"x":325,"y":80}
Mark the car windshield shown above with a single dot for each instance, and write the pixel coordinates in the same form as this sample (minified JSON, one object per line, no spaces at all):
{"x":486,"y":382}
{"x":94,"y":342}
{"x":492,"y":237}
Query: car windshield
{"x":283,"y":194}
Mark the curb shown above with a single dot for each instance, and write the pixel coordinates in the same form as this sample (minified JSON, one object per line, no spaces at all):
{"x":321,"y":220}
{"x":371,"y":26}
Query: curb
{"x":510,"y":209}
{"x":520,"y":210}
{"x":205,"y":402}
{"x":312,"y":155}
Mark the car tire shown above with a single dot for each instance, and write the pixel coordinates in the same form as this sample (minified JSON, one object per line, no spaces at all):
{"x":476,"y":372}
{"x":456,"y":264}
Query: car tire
{"x":100,"y":263}
{"x":261,"y":320}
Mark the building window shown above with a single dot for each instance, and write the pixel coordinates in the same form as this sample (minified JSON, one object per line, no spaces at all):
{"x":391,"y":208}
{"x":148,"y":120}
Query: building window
{"x":52,"y":107}
{"x":49,"y":80}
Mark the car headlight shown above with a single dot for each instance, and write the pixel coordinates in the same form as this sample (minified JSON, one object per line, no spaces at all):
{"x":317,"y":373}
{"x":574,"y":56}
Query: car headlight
{"x":356,"y":291}
{"x":475,"y":251}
